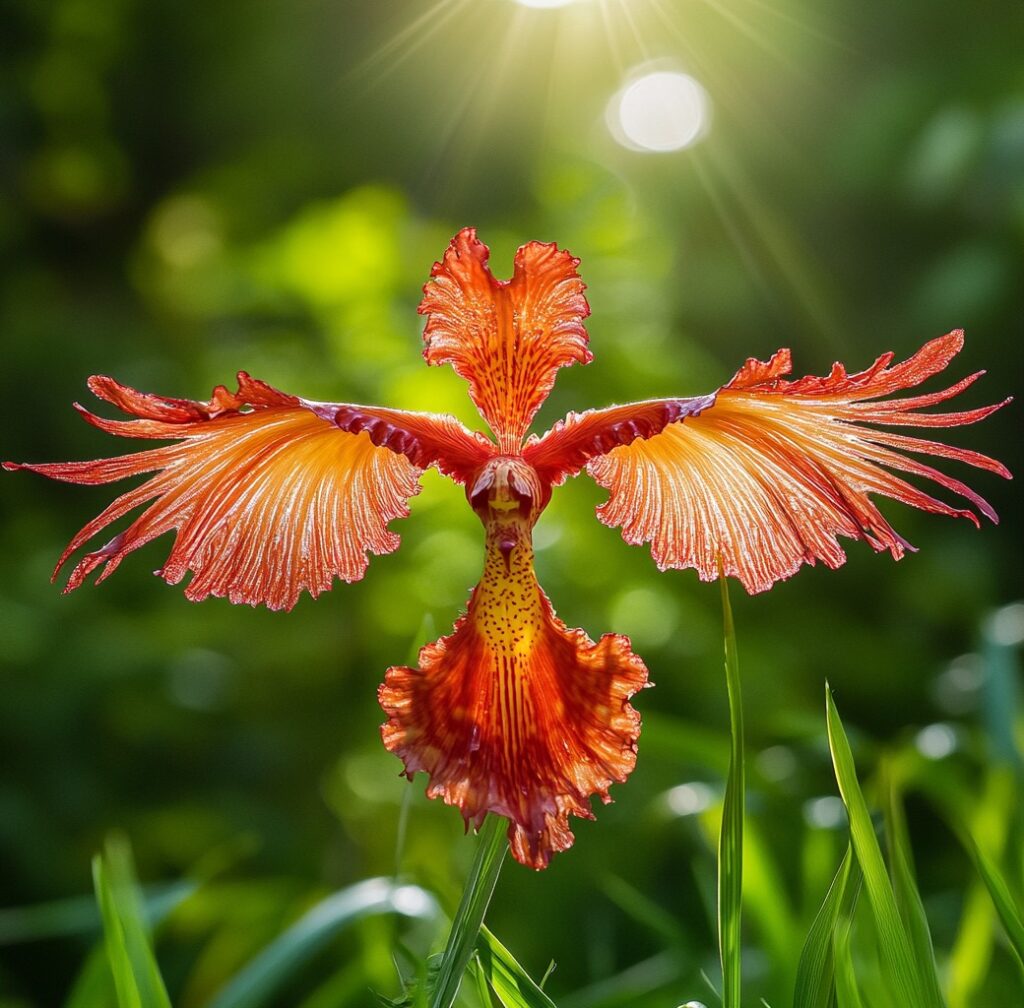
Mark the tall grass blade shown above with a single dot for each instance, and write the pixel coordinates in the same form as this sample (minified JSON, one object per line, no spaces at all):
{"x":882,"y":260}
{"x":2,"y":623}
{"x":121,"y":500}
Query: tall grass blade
{"x":846,"y":986}
{"x":137,"y":980}
{"x":258,"y":982}
{"x":476,"y":897}
{"x":908,"y":898}
{"x":81,"y":914}
{"x":897,"y":956}
{"x":730,"y":845}
{"x":512,"y":985}
{"x":1006,"y":906}
{"x":815,"y":976}
{"x":483,"y":992}
{"x":642,"y":909}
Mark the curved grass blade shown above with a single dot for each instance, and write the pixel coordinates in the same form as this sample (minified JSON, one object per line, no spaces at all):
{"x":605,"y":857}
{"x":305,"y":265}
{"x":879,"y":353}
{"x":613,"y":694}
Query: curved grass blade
{"x":815,"y":976}
{"x":908,"y":898}
{"x":642,"y":909}
{"x":512,"y":985}
{"x":257,"y":983}
{"x":469,"y":918}
{"x":897,"y":956}
{"x":730,"y":846}
{"x":999,"y":891}
{"x":847,"y":991}
{"x":137,"y":980}
{"x":81,"y":914}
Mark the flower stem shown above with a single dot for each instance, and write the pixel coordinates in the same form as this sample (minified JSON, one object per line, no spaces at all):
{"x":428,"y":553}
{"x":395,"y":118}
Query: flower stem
{"x":730,"y":844}
{"x":476,"y":897}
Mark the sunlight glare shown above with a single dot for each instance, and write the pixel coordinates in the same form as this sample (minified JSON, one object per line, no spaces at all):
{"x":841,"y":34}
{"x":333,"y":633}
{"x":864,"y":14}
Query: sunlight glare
{"x":544,"y":3}
{"x":661,"y":111}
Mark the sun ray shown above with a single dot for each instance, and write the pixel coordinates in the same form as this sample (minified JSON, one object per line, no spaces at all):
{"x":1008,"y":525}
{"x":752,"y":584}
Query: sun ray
{"x":407,"y":41}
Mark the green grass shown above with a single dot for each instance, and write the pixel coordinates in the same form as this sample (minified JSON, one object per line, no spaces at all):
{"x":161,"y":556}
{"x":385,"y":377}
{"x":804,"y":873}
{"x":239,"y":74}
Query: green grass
{"x":137,"y":979}
{"x":876,"y":952}
{"x":730,"y":844}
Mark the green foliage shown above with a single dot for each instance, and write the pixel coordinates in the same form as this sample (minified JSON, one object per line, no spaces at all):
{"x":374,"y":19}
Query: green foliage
{"x":137,"y":978}
{"x":897,"y":951}
{"x":730,"y":847}
{"x":511,"y":984}
{"x":815,"y":978}
{"x":257,"y":983}
{"x":908,"y":899}
{"x":1006,"y":905}
{"x":492,"y":847}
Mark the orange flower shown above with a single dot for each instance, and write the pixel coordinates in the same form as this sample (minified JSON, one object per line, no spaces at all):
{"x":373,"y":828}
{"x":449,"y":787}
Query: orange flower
{"x":514,"y":713}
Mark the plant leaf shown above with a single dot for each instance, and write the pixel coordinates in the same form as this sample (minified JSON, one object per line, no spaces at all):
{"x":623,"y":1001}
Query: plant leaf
{"x":897,"y":957}
{"x":512,"y":985}
{"x":999,"y":891}
{"x":469,"y":918}
{"x":847,"y":993}
{"x":815,"y":976}
{"x":258,"y":981}
{"x":137,"y":980}
{"x":908,"y":898}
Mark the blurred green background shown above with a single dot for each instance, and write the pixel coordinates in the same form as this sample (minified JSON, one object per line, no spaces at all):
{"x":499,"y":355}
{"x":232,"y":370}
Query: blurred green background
{"x":189,"y":190}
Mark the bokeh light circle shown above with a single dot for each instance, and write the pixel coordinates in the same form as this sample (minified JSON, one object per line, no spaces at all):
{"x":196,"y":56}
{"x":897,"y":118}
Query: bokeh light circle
{"x":660,"y":111}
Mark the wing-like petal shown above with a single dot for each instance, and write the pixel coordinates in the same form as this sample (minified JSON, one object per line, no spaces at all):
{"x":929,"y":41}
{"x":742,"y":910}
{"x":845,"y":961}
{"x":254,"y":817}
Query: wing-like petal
{"x":507,"y":338}
{"x":426,"y":439}
{"x":268,"y":497}
{"x":774,"y":471}
{"x":514,"y":713}
{"x":565,"y":449}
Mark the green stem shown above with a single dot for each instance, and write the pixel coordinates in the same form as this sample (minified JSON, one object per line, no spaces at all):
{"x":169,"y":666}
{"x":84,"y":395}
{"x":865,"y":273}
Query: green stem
{"x":730,"y":845}
{"x":476,"y":897}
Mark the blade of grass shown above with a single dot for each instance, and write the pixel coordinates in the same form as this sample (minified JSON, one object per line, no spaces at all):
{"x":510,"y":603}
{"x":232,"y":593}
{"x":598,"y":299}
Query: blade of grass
{"x":908,"y":898}
{"x":476,"y":897}
{"x":642,"y":909}
{"x":897,"y":955}
{"x":815,"y":976}
{"x":1006,"y":906}
{"x":513,"y":986}
{"x":987,"y":816}
{"x":257,"y":982}
{"x":730,"y":847}
{"x":482,"y":990}
{"x":81,"y":914}
{"x":137,"y":980}
{"x":847,"y":994}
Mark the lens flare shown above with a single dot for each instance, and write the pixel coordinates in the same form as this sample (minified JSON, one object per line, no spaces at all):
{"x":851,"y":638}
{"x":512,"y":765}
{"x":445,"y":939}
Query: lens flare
{"x":661,"y":111}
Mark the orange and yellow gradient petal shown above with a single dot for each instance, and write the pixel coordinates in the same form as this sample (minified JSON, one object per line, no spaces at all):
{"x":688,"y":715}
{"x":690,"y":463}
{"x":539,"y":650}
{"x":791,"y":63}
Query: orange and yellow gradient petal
{"x":514,"y":713}
{"x":269,"y":495}
{"x":772,"y":472}
{"x":507,"y":338}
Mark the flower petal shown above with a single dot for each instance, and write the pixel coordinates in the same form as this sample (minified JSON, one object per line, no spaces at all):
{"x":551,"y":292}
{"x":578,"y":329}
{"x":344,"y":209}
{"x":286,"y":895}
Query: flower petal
{"x":426,"y":439}
{"x":565,"y":449}
{"x":774,"y":471}
{"x":507,"y":338}
{"x":515,"y":714}
{"x":267,"y":496}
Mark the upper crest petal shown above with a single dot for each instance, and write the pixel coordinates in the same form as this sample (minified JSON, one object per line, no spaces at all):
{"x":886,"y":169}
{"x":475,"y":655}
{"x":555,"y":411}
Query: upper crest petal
{"x":507,"y":338}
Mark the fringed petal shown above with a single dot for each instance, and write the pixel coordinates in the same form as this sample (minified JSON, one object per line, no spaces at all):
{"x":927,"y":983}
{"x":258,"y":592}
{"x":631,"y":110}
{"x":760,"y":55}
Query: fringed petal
{"x":565,"y":449}
{"x":771,"y":474}
{"x":515,"y":714}
{"x":268,"y":496}
{"x":507,"y":338}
